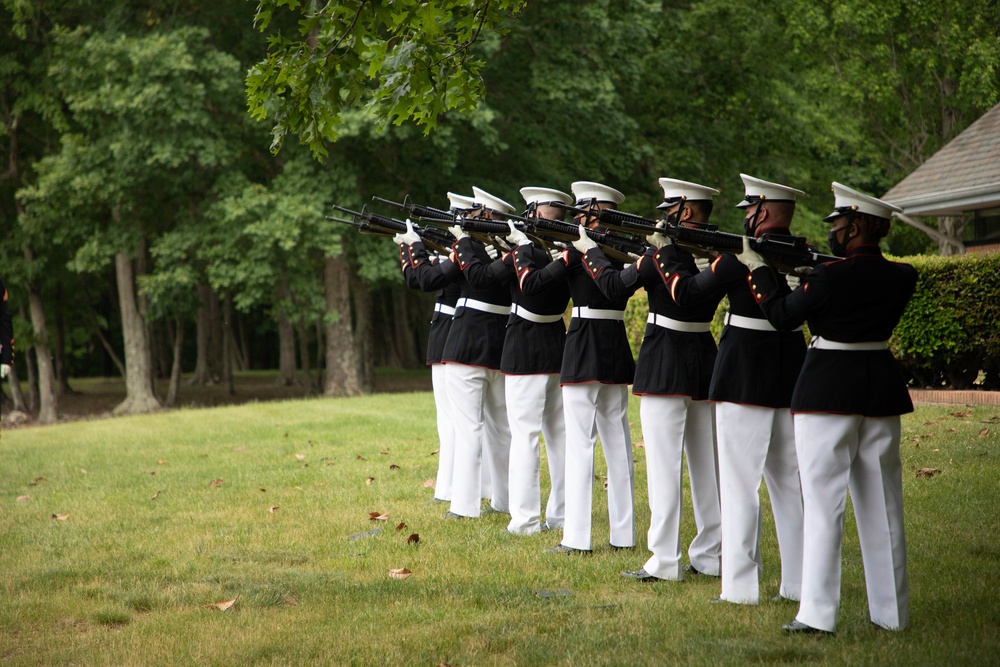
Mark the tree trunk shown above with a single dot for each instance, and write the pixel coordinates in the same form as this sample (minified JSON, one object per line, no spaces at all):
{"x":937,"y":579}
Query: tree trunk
{"x":20,"y":405}
{"x":286,"y":351}
{"x":105,"y":343}
{"x":29,"y":361}
{"x":140,"y":396}
{"x":227,"y":344}
{"x":304,"y":354}
{"x":48,"y":410}
{"x":345,"y":366}
{"x":952,"y":226}
{"x":209,"y":360}
{"x":60,"y":351}
{"x":175,"y":369}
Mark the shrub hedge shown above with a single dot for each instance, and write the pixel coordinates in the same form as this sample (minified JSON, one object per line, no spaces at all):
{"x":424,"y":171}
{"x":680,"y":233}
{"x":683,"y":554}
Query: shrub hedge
{"x":949,"y":335}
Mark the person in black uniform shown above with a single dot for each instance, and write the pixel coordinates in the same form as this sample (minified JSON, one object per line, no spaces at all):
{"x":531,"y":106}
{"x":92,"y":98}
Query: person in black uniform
{"x":597,"y":367}
{"x":430,"y":274}
{"x":847,"y":405}
{"x":532,"y":353}
{"x":672,"y":376}
{"x":752,"y":383}
{"x":475,"y":385}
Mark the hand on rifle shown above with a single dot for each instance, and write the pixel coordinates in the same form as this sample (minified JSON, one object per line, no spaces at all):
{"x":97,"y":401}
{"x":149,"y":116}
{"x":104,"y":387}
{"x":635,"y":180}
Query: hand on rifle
{"x":458,"y":232}
{"x":750,"y":257}
{"x":516,"y":236}
{"x":409,"y":237}
{"x":584,"y":243}
{"x":557,"y":254}
{"x":4,"y":370}
{"x":794,"y":278}
{"x":492,"y":252}
{"x":658,"y":240}
{"x":703,"y":263}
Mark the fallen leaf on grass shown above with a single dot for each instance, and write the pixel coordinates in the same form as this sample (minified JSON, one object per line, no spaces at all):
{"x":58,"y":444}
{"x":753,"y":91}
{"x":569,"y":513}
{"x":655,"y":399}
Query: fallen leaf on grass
{"x":400,"y":527}
{"x":162,"y":461}
{"x":396,"y":467}
{"x":384,"y":452}
{"x":152,"y":472}
{"x":960,"y":414}
{"x":378,"y":516}
{"x":156,"y":495}
{"x":434,"y":453}
{"x":83,"y":470}
{"x":399,"y":573}
{"x":928,"y":472}
{"x":429,"y":484}
{"x":61,"y":517}
{"x":224,"y":605}
{"x":21,"y":499}
{"x":214,"y":483}
{"x":300,"y":457}
{"x":263,"y":490}
{"x":38,"y":480}
{"x":413,"y":539}
{"x":241,"y":448}
{"x":272,"y":508}
{"x":369,"y":480}
{"x":361,"y":458}
{"x":985,"y":432}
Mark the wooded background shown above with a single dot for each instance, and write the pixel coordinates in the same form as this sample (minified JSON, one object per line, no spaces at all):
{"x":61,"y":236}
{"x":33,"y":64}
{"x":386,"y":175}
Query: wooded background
{"x":150,"y":224}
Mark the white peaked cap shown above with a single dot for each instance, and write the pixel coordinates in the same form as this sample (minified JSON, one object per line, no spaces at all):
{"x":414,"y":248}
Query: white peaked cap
{"x":760,"y":190}
{"x":460,"y":202}
{"x":533,"y":195}
{"x":585,"y":191}
{"x":845,"y":199}
{"x":484,"y":198}
{"x":675,"y":191}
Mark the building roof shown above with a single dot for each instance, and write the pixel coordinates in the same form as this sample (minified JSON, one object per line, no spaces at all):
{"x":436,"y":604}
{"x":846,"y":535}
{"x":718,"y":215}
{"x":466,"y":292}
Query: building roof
{"x":963,"y":176}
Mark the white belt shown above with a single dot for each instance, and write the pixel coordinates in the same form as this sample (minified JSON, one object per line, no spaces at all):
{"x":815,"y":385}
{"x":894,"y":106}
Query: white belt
{"x":751,"y":323}
{"x":441,"y":308}
{"x":465,"y":302}
{"x":521,"y":311}
{"x":598,"y":314}
{"x":821,"y":343}
{"x":677,"y":325}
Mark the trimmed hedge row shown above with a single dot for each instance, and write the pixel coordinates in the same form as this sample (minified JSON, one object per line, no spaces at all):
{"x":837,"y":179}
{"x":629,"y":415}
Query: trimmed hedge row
{"x":949,"y":335}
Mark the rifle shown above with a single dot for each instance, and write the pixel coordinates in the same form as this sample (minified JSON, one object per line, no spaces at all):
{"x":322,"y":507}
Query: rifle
{"x":484,"y":231}
{"x":616,"y":246}
{"x":784,"y":253}
{"x":367,"y":222}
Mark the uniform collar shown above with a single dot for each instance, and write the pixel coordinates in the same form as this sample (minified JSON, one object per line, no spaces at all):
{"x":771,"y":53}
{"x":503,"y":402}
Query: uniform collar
{"x":865,"y":251}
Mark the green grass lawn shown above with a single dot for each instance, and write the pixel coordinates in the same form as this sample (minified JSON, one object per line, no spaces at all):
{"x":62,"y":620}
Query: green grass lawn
{"x":150,"y":545}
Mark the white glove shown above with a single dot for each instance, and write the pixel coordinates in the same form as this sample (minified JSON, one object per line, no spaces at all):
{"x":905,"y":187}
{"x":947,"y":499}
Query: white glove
{"x":409,"y":237}
{"x":492,"y":252}
{"x":658,"y":240}
{"x":556,"y":254}
{"x":703,"y":263}
{"x":750,"y":257}
{"x":516,"y":236}
{"x":458,"y":232}
{"x":584,"y":243}
{"x":4,"y":370}
{"x":794,"y":278}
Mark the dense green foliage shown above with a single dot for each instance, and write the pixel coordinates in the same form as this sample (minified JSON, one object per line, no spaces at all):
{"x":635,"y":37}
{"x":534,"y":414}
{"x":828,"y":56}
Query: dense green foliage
{"x":149,"y":546}
{"x":949,"y":332}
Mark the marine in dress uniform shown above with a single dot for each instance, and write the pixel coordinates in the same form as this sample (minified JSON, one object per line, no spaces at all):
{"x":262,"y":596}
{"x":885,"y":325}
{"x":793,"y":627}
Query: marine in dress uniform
{"x":430,"y":274}
{"x":471,"y":357}
{"x":755,"y":372}
{"x":672,"y":378}
{"x":597,"y":367}
{"x":532,"y":354}
{"x":847,"y":405}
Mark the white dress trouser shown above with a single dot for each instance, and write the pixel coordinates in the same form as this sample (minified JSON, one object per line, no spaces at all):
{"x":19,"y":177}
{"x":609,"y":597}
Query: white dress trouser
{"x":837,"y":452}
{"x":446,"y":434}
{"x":534,"y":406}
{"x":755,"y":440}
{"x":671,"y":424}
{"x":480,"y":416}
{"x":592,"y":408}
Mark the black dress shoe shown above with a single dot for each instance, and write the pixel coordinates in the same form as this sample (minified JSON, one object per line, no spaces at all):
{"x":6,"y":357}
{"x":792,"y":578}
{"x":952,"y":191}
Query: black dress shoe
{"x":451,"y":515}
{"x":691,"y":569}
{"x":618,"y":548}
{"x":716,"y":600}
{"x":640,"y":575}
{"x":563,"y":549}
{"x":781,"y":598}
{"x":798,"y":627}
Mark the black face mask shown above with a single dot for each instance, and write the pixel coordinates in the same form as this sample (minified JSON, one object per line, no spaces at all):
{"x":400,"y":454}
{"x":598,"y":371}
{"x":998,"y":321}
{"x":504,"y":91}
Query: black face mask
{"x":838,"y":248}
{"x":749,"y":225}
